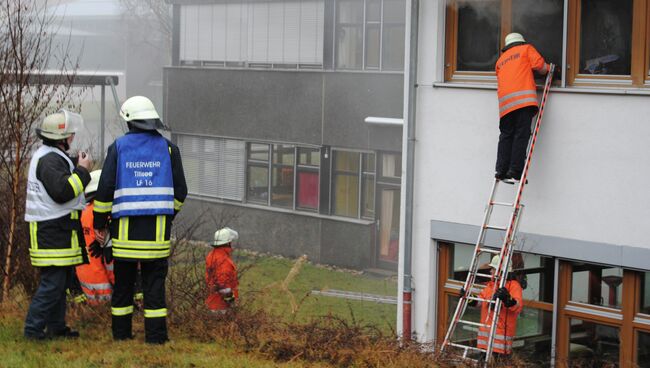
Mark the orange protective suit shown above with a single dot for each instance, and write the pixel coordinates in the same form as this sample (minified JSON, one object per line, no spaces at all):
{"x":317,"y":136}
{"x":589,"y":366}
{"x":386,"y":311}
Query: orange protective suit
{"x":507,"y":325}
{"x":220,"y":274}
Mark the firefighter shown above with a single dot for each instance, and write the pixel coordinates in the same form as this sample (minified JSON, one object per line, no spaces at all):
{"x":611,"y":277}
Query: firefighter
{"x":141,"y":189}
{"x":221,"y":272}
{"x":512,"y":304}
{"x":517,"y":104}
{"x":96,"y":278}
{"x":55,"y":187}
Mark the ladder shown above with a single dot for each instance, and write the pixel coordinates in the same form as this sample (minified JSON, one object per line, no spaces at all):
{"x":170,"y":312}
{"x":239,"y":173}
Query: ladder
{"x":500,"y":276}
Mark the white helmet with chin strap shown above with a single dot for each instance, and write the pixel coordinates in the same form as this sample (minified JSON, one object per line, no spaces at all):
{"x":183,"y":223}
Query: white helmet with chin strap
{"x":141,"y":113}
{"x":224,"y":236}
{"x":514,"y":38}
{"x":60,"y":125}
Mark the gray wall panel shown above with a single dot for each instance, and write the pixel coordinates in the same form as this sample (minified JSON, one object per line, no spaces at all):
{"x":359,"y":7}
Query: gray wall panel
{"x":604,"y":253}
{"x":253,"y":104}
{"x":323,"y":241}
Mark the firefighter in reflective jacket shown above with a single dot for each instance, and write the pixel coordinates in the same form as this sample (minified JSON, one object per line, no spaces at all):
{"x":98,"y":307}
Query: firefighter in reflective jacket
{"x":96,"y":278}
{"x":55,"y":186}
{"x":221,"y":272}
{"x":511,"y":297}
{"x":141,"y":189}
{"x":517,"y":104}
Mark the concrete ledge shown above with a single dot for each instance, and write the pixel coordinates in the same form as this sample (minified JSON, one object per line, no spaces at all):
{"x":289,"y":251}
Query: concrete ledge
{"x":604,"y":253}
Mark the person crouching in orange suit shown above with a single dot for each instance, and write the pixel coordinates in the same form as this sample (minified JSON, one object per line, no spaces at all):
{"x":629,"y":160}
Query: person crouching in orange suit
{"x":96,"y":278}
{"x":221,"y":272}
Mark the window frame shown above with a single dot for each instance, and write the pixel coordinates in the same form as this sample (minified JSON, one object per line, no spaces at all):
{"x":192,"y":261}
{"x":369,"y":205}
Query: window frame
{"x":640,"y":48}
{"x":360,"y":175}
{"x":364,"y":27}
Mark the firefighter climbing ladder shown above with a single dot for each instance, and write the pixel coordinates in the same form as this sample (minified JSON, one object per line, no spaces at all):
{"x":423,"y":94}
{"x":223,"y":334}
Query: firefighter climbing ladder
{"x":505,"y":253}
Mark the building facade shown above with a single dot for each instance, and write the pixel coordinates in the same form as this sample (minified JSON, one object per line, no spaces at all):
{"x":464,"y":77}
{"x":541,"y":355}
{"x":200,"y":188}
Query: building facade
{"x":267,"y":101}
{"x":583,"y":235}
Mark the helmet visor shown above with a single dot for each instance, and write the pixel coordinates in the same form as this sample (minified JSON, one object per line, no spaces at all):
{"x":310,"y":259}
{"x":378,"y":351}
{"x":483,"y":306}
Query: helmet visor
{"x":73,"y":122}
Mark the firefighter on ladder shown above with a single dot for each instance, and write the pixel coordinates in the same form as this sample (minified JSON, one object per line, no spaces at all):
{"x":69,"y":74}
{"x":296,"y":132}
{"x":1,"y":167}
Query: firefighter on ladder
{"x":512,"y":299}
{"x":517,"y":104}
{"x":141,"y":189}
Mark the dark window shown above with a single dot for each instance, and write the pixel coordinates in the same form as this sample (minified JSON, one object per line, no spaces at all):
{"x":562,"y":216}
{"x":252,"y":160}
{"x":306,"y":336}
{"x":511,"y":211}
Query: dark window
{"x":282,"y":184}
{"x":597,"y":285}
{"x":258,"y":173}
{"x":643,"y":350}
{"x":593,"y":344}
{"x":645,"y":293}
{"x":368,"y":182}
{"x":479,"y":29}
{"x":541,"y":24}
{"x":606,"y":37}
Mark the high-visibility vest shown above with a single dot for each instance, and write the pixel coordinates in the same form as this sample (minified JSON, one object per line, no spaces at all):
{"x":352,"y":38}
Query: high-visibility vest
{"x":220,"y":273}
{"x":53,"y":244}
{"x":516,"y":84}
{"x":39,"y":205}
{"x":95,"y":278}
{"x":507,"y":324}
{"x":145,"y":185}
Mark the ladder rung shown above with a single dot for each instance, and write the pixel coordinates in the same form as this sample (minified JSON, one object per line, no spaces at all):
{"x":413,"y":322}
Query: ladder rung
{"x":490,"y":250}
{"x":480,"y":299}
{"x":476,"y":324}
{"x":484,"y":275}
{"x":491,"y":227}
{"x":461,"y":346}
{"x":505,"y":204}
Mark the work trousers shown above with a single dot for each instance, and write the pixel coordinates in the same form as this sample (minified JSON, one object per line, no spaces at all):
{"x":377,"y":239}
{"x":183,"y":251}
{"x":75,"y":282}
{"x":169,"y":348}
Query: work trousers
{"x":47,"y":309}
{"x":153,"y":287}
{"x":513,"y":141}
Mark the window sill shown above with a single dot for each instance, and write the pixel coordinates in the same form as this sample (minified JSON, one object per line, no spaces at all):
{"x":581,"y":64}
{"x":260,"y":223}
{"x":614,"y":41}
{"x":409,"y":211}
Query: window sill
{"x":602,"y":90}
{"x":199,"y":197}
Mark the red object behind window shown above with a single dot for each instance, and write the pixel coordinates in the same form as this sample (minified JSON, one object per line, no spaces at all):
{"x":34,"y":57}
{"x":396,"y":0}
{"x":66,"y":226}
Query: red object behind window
{"x":308,"y":190}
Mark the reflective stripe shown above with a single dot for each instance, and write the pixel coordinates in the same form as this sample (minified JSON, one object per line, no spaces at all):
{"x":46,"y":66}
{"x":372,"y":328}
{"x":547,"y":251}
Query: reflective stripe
{"x":160,"y":228}
{"x":155,"y":313}
{"x":140,"y":254}
{"x":516,"y":103}
{"x":74,"y":240}
{"x":100,"y":286}
{"x":140,"y":244}
{"x":76,"y":184}
{"x":496,"y":336}
{"x":33,"y":231}
{"x":122,"y":311}
{"x":44,"y":262}
{"x":147,"y":205}
{"x":102,"y":207}
{"x":100,"y":297}
{"x":144,"y":191}
{"x":109,"y":267}
{"x":177,"y":204}
{"x":74,"y":215}
{"x":123,"y":229}
{"x":55,"y":253}
{"x":518,"y":93}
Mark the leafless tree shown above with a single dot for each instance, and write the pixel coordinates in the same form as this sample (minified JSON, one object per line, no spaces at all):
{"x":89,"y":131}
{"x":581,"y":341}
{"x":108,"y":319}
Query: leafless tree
{"x":157,"y":10}
{"x":36,"y":78}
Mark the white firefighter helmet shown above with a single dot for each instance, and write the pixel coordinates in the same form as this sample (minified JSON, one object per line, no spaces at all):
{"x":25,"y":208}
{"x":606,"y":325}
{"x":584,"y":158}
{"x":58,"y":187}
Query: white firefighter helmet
{"x":94,"y":181}
{"x":514,"y":37}
{"x":60,"y":125}
{"x":140,"y":111}
{"x":225,"y":236}
{"x":495,"y":263}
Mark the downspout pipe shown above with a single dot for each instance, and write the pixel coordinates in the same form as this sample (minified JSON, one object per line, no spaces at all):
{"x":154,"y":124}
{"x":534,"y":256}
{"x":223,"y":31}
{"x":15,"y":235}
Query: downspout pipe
{"x":411,"y":89}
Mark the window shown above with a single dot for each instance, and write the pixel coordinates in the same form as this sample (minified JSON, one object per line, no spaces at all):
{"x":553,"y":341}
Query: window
{"x":308,"y":178}
{"x":370,"y":34}
{"x":476,"y":30}
{"x":282,"y":187}
{"x":593,"y":344}
{"x":258,"y":173}
{"x":597,"y":285}
{"x":353,"y":184}
{"x":214,"y":167}
{"x":644,"y":300}
{"x":643,"y":350}
{"x":256,"y":33}
{"x":272,"y":176}
{"x":535,"y":323}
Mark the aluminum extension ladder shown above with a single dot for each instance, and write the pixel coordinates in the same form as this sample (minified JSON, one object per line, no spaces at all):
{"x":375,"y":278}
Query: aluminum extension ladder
{"x":505,"y":253}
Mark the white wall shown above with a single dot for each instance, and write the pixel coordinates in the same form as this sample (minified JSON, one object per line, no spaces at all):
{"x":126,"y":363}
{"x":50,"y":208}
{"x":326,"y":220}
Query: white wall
{"x":589,"y":179}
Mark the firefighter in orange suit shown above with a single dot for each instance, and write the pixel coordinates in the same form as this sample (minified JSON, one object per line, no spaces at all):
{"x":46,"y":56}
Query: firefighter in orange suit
{"x":96,"y":278}
{"x":221,"y":272}
{"x":511,"y":297}
{"x":517,"y":104}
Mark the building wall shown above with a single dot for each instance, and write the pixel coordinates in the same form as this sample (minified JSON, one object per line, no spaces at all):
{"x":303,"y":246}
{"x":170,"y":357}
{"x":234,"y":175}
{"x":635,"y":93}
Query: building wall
{"x":320,"y":108}
{"x":588,"y":180}
{"x":322,"y":239}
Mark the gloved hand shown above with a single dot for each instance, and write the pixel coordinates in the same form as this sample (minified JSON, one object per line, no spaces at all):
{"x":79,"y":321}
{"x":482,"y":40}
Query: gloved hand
{"x":462,"y":292}
{"x":227,"y":295}
{"x":557,"y":73}
{"x":80,"y":299}
{"x":504,"y":295}
{"x":96,"y":250}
